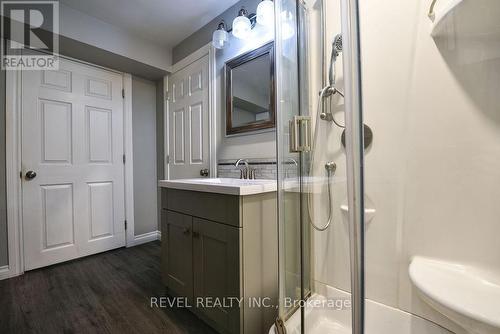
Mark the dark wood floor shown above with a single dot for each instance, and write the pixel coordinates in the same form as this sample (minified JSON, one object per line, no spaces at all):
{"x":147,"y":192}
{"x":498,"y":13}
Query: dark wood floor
{"x":104,"y":293}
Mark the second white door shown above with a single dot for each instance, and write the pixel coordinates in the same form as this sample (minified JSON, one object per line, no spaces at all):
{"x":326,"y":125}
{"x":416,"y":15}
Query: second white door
{"x":72,"y":163}
{"x":188,"y":115}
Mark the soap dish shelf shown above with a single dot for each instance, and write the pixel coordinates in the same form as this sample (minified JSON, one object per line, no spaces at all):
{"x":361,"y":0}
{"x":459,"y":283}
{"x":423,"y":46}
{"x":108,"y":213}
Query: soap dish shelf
{"x":464,"y":290}
{"x":466,"y":18}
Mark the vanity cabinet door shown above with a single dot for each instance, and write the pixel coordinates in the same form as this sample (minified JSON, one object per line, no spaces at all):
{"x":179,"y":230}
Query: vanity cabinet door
{"x":179,"y":253}
{"x":217,"y":272}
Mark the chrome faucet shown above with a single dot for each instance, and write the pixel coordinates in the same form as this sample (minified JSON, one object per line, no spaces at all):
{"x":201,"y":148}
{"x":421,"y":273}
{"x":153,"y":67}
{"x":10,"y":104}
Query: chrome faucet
{"x":245,"y":173}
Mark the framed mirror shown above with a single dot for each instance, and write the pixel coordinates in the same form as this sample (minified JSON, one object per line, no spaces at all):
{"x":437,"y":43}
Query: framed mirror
{"x":250,"y":96}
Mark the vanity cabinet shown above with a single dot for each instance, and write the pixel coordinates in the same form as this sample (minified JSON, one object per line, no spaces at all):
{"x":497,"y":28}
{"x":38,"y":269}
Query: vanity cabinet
{"x":222,"y":247}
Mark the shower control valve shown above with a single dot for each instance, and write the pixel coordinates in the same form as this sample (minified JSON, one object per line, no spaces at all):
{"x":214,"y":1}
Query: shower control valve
{"x":331,"y":167}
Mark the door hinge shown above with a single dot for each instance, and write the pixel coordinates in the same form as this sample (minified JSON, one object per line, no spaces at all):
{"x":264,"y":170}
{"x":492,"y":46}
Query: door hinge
{"x":167,"y":96}
{"x":124,"y":159}
{"x":300,"y":134}
{"x":167,"y":159}
{"x":123,"y":93}
{"x":21,"y":174}
{"x":125,"y":225}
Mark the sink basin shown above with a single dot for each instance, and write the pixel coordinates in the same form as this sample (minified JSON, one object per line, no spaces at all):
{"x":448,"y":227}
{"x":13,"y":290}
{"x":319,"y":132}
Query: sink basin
{"x":226,"y":186}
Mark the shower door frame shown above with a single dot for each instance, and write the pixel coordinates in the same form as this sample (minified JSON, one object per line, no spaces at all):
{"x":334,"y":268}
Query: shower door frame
{"x":354,"y":158}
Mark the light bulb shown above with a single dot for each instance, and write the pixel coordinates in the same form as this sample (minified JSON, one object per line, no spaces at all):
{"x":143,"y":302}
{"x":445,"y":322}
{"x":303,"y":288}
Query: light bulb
{"x":265,"y":13}
{"x":241,"y":25}
{"x":220,"y":37}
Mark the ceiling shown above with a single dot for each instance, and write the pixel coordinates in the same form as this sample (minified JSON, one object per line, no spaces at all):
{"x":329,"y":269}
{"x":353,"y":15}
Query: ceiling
{"x":166,"y":22}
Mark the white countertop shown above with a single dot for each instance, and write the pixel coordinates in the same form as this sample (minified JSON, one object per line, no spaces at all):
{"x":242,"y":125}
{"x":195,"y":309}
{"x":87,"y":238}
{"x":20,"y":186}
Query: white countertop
{"x":241,"y":187}
{"x":222,"y":186}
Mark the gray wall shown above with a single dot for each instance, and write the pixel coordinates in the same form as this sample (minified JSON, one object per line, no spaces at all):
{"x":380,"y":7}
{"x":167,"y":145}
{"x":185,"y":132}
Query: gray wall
{"x":4,"y":259}
{"x":144,"y":142}
{"x":260,"y":145}
{"x":97,"y":56}
{"x":79,"y":26}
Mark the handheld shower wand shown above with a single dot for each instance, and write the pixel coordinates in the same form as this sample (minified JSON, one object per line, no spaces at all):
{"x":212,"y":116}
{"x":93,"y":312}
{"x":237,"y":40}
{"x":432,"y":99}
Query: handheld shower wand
{"x":330,"y":88}
{"x":337,"y":47}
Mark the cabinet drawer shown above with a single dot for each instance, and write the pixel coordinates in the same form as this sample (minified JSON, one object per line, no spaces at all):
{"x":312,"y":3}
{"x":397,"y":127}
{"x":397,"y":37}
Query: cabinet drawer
{"x":220,"y":208}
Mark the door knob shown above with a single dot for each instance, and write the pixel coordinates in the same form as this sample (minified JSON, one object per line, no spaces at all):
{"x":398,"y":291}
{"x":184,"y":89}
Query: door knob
{"x":204,"y":172}
{"x":30,"y":175}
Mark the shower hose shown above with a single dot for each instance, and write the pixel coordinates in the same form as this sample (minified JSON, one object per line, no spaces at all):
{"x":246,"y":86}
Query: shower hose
{"x":329,"y":171}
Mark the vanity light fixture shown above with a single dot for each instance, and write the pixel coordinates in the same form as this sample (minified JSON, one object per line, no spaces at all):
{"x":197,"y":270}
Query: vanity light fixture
{"x":265,"y":13}
{"x":242,"y":25}
{"x":220,"y":37}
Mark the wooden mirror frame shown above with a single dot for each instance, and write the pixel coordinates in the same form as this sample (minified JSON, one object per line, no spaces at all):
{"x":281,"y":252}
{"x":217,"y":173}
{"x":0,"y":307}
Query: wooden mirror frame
{"x":234,"y":63}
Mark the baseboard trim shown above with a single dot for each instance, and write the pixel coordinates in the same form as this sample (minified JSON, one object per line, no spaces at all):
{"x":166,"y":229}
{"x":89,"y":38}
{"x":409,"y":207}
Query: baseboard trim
{"x":146,"y":237}
{"x":7,"y":272}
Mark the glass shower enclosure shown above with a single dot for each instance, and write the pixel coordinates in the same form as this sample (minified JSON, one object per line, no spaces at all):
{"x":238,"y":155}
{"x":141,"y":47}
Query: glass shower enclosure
{"x":388,"y":145}
{"x":300,"y":172}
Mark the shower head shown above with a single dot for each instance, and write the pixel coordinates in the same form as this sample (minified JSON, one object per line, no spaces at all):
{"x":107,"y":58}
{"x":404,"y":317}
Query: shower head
{"x":337,"y":45}
{"x":337,"y":48}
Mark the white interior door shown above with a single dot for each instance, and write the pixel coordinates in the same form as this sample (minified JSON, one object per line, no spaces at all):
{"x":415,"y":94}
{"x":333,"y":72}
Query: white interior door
{"x":72,"y":138}
{"x":188,"y":115}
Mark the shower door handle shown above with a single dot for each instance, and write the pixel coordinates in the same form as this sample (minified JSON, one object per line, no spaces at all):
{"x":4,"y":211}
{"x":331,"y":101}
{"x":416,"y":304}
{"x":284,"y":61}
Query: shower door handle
{"x":300,"y":134}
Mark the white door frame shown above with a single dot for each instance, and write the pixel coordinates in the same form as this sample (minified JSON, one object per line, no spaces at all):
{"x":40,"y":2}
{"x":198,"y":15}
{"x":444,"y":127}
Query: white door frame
{"x":209,"y":50}
{"x":13,"y":127}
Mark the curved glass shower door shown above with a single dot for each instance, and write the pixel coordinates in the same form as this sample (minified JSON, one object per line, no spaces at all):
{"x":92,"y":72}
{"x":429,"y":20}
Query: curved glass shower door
{"x":293,"y":238}
{"x":319,"y":170}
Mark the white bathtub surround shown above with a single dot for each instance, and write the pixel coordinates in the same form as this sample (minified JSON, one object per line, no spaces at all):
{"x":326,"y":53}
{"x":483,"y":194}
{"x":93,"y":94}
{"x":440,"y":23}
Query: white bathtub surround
{"x":222,"y":186}
{"x":468,"y":296}
{"x":380,"y":319}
